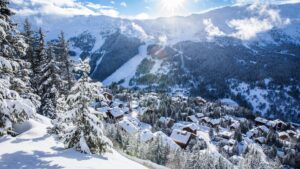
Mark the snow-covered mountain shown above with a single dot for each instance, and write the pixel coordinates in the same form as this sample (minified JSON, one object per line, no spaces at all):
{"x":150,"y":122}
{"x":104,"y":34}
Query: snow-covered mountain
{"x":246,"y":53}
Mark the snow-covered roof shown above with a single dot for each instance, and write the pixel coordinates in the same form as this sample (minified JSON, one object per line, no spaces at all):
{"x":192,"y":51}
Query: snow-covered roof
{"x":206,"y":119}
{"x":199,"y":115}
{"x":229,"y":102}
{"x":235,"y":125}
{"x":264,"y":128}
{"x":103,"y":109}
{"x":180,"y":136}
{"x":134,"y":104}
{"x":192,"y":126}
{"x":117,"y":112}
{"x":274,"y":123}
{"x":146,"y":135}
{"x":225,"y":133}
{"x":165,"y":120}
{"x":117,"y":102}
{"x":193,"y":118}
{"x":282,"y":134}
{"x":215,"y":121}
{"x":166,"y":140}
{"x":261,"y":120}
{"x":128,"y":126}
{"x":231,"y":141}
{"x":261,"y":139}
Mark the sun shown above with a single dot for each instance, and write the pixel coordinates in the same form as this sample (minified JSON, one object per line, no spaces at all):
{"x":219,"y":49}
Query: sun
{"x":172,"y":6}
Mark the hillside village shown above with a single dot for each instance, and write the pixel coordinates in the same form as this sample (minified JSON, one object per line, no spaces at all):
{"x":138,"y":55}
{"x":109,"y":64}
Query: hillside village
{"x":183,"y":123}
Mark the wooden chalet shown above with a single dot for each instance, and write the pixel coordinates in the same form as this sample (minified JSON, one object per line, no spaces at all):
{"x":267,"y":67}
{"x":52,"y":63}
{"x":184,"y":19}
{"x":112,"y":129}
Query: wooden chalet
{"x":181,"y":138}
{"x":192,"y":128}
{"x":116,"y":113}
{"x":128,"y":127}
{"x":260,"y":121}
{"x":108,"y":96}
{"x":284,"y":136}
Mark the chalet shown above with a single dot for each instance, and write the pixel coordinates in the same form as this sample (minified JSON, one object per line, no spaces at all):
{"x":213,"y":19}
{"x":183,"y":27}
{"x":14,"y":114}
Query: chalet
{"x":128,"y":127}
{"x":205,"y":119}
{"x":260,"y":140}
{"x":214,"y":122}
{"x":146,"y":136}
{"x":108,"y":96}
{"x":199,"y":115}
{"x":115,"y":113}
{"x":192,"y":128}
{"x":134,"y":104}
{"x":277,"y":124}
{"x":193,"y":119}
{"x":291,"y":133}
{"x":226,"y":134}
{"x":284,"y":136}
{"x":232,"y":142}
{"x":182,"y":138}
{"x":260,"y":121}
{"x":167,"y":121}
{"x":200,"y":101}
{"x":234,"y":126}
{"x":263,"y":129}
{"x":104,"y":111}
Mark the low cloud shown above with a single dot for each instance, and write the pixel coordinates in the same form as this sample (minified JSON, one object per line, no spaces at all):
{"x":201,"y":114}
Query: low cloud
{"x":263,"y":19}
{"x":62,"y":7}
{"x":211,"y":29}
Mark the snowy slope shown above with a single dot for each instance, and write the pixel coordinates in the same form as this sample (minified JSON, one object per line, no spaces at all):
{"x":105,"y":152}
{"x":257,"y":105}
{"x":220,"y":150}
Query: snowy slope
{"x":36,"y":149}
{"x":128,"y":70}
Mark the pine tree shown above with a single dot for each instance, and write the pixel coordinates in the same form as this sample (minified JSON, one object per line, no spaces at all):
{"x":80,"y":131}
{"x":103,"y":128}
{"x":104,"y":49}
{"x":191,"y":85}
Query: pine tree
{"x":13,"y":107}
{"x":29,"y":39}
{"x":39,"y":60}
{"x":65,"y":63}
{"x":84,"y":130}
{"x":49,"y":84}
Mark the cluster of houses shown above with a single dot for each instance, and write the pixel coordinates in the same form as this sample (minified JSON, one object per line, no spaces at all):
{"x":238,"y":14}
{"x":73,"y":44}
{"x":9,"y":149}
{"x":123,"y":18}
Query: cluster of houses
{"x":125,"y":116}
{"x":286,"y":133}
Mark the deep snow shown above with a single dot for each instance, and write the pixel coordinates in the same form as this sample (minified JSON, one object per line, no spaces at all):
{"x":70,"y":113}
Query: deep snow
{"x":35,"y":149}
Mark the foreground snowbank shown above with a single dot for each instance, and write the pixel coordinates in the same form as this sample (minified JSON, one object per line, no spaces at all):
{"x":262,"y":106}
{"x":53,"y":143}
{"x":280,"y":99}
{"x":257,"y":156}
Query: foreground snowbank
{"x":34,"y":148}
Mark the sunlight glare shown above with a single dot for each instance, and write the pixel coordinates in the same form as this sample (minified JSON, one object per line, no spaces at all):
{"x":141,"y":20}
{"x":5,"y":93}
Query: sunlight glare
{"x":172,"y":6}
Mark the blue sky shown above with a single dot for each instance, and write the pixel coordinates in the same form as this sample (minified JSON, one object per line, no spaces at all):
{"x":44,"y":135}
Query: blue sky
{"x":132,"y":9}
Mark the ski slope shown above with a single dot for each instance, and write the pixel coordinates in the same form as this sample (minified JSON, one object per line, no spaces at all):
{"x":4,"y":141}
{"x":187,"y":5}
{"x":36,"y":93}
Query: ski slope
{"x":34,"y":149}
{"x":128,"y":70}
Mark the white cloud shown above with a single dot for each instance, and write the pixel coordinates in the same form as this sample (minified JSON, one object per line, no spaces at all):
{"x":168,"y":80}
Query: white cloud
{"x":263,"y":19}
{"x":62,"y":7}
{"x":142,"y":16}
{"x":211,"y":29}
{"x":123,"y":4}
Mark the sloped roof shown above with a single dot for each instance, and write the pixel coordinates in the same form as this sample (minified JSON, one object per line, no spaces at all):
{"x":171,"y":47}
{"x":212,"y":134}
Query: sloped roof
{"x":261,"y":120}
{"x":128,"y":126}
{"x":117,"y":112}
{"x":192,"y":126}
{"x":193,"y":118}
{"x":180,"y":136}
{"x":146,"y":135}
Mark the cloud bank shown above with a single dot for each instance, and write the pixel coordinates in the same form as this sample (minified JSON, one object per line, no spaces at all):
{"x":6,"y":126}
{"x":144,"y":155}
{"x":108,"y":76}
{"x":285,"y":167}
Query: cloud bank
{"x":62,"y":7}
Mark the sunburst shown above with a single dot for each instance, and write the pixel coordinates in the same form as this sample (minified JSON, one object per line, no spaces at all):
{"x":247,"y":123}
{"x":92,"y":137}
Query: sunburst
{"x":172,"y":7}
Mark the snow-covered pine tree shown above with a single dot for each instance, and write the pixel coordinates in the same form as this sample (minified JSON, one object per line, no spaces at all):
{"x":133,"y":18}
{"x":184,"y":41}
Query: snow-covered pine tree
{"x":84,"y":130}
{"x":13,"y":108}
{"x":29,"y":39}
{"x":49,"y":84}
{"x":62,"y":48}
{"x":61,"y":109}
{"x":39,"y":60}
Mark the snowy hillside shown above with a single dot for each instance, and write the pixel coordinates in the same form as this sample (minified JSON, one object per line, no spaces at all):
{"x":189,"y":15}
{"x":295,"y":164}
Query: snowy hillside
{"x":34,"y":148}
